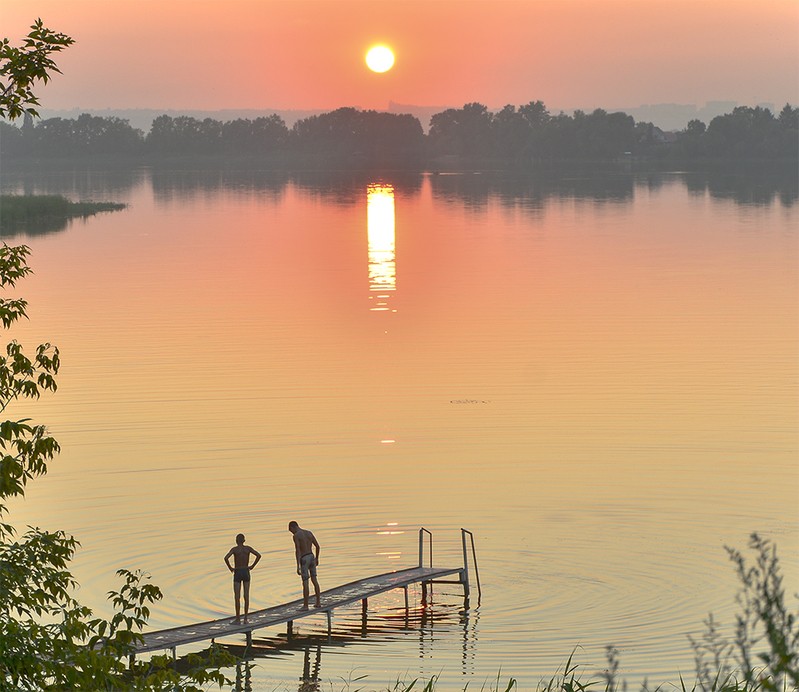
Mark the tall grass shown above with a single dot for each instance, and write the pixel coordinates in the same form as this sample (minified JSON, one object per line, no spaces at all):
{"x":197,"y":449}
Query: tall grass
{"x":760,"y":655}
{"x":45,"y":213}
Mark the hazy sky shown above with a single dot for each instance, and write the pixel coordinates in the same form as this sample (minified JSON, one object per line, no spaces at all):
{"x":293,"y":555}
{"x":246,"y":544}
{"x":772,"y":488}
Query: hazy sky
{"x":308,"y":54}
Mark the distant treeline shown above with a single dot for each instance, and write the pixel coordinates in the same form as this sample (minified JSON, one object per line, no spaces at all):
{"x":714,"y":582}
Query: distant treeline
{"x":517,"y":138}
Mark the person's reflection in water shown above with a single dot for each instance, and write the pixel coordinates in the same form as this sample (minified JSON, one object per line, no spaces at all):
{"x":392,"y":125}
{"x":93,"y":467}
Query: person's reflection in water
{"x":309,"y":682}
{"x":243,"y":676}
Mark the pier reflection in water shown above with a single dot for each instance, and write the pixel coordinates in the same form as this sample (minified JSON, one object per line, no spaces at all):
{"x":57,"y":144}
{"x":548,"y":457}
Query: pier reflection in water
{"x":430,"y":624}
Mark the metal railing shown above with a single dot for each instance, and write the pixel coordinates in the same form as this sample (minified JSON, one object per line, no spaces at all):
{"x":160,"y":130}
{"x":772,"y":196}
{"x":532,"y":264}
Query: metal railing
{"x":464,"y":579}
{"x":422,"y":532}
{"x":464,"y":533}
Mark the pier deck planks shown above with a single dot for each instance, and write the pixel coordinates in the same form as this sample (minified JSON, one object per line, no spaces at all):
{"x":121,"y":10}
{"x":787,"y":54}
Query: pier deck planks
{"x":288,"y":612}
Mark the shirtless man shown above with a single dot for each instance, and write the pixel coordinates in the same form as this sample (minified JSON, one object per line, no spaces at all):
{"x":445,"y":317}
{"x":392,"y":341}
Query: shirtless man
{"x":306,"y":560}
{"x":241,"y":573}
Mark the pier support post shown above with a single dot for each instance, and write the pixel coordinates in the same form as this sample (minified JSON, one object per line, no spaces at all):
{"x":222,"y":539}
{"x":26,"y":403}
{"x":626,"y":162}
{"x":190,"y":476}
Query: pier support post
{"x":329,"y":626}
{"x":364,"y":606}
{"x":363,"y":617}
{"x":289,"y":629}
{"x":405,"y":588}
{"x":249,"y":638}
{"x":131,"y":661}
{"x":424,"y":593}
{"x":464,"y":575}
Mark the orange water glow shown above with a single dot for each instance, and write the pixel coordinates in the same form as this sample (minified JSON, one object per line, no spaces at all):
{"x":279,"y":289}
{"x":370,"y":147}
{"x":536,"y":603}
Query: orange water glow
{"x":595,"y":386}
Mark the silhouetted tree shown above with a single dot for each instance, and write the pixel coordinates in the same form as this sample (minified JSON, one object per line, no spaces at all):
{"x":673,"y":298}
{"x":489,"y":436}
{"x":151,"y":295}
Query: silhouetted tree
{"x":691,"y":141}
{"x":263,"y":135}
{"x":602,"y":135}
{"x":537,"y":117}
{"x":512,"y":137}
{"x":95,"y":135}
{"x":788,"y":121}
{"x":86,"y":136}
{"x":465,"y":132}
{"x":352,"y":138}
{"x":789,"y":117}
{"x":744,"y":133}
{"x":180,"y":135}
{"x":649,"y":140}
{"x":11,"y":143}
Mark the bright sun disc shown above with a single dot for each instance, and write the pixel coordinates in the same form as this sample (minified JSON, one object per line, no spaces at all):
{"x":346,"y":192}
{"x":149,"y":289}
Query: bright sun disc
{"x":380,"y":59}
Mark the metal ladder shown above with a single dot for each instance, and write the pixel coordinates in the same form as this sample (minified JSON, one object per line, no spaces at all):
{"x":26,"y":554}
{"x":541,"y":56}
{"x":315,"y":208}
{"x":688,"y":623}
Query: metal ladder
{"x":464,"y":573}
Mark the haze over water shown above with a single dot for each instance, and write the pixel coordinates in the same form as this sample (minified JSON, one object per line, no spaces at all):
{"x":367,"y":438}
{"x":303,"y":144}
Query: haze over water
{"x":597,"y":378}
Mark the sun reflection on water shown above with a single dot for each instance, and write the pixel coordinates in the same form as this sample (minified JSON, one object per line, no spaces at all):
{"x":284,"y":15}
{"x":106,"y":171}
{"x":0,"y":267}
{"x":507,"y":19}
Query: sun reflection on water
{"x":390,"y":552}
{"x":380,"y":232}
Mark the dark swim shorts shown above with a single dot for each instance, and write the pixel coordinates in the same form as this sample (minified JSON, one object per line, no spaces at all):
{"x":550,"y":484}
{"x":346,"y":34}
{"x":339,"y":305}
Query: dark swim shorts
{"x":241,"y":574}
{"x":308,"y":566}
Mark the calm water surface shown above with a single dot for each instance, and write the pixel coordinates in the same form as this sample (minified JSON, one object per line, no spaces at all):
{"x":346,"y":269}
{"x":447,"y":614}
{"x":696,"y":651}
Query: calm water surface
{"x":598,"y":378}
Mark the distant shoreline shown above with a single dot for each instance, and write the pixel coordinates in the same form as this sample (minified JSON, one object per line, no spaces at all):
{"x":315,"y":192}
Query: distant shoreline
{"x":669,"y":117}
{"x":753,"y":166}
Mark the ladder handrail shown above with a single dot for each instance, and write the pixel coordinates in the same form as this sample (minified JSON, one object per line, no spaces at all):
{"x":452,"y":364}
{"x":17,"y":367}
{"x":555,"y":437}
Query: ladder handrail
{"x":464,"y":532}
{"x":423,"y":531}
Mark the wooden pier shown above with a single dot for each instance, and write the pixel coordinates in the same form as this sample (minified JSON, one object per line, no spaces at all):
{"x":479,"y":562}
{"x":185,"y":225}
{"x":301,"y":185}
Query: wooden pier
{"x":344,"y":595}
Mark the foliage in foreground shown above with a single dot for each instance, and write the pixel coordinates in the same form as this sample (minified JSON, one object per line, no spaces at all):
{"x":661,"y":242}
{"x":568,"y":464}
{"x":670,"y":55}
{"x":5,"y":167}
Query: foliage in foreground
{"x":22,"y":67}
{"x":49,"y":640}
{"x":764,"y":651}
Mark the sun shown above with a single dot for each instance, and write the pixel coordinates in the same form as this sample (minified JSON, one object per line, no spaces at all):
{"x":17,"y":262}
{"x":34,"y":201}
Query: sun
{"x":380,"y":58}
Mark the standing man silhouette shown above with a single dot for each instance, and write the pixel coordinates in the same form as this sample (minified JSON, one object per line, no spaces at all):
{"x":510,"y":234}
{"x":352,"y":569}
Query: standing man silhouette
{"x":241,"y":573}
{"x":307,"y":561}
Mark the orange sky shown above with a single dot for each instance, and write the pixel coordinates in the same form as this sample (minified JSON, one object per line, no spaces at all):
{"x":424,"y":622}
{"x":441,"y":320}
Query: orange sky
{"x":308,"y":54}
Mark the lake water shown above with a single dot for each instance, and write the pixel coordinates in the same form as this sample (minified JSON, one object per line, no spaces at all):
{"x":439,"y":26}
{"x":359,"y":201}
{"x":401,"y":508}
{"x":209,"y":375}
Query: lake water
{"x":598,"y":377}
